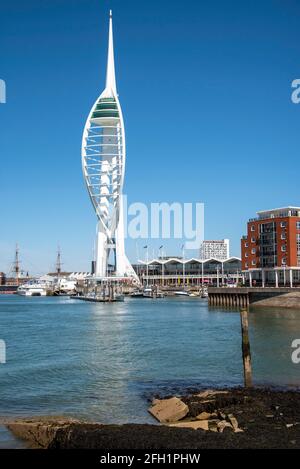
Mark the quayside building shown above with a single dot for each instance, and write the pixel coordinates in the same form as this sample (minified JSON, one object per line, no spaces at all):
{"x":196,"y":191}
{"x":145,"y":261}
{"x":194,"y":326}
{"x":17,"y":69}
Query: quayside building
{"x":271,"y":248}
{"x":176,"y":271}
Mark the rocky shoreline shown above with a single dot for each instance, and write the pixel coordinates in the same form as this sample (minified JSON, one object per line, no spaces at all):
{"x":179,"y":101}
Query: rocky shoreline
{"x":228,"y":418}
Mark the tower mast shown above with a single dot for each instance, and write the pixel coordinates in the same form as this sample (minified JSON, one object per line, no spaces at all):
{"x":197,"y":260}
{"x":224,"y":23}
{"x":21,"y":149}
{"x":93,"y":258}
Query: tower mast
{"x":110,"y":70}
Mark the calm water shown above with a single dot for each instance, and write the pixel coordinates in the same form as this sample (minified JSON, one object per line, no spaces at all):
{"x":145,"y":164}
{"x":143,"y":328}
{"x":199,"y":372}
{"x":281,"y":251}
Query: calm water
{"x":102,"y":362}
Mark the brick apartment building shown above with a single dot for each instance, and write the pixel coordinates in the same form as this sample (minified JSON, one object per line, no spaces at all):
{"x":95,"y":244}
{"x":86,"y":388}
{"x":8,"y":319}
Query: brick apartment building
{"x":271,"y":248}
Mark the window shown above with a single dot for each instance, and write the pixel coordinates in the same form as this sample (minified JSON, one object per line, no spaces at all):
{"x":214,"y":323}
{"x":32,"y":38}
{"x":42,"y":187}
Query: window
{"x":253,"y":262}
{"x":246,"y":265}
{"x":283,"y":224}
{"x":283,"y":261}
{"x":283,"y":248}
{"x":246,"y":245}
{"x":253,"y":240}
{"x":253,"y":251}
{"x":283,"y":235}
{"x":246,"y":254}
{"x":252,"y":228}
{"x":298,"y":225}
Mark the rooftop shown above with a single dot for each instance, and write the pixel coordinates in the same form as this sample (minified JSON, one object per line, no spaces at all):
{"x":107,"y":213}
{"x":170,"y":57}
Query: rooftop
{"x":282,"y":209}
{"x":179,"y":260}
{"x":215,"y":241}
{"x":283,"y":212}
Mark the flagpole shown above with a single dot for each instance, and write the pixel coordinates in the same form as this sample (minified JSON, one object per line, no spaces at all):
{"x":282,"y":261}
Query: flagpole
{"x":147,"y":260}
{"x":162,"y":265}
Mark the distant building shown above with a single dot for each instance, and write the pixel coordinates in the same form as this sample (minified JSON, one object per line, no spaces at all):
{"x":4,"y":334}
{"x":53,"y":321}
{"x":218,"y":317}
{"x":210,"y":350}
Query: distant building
{"x":271,"y":248}
{"x":2,"y":278}
{"x":216,"y":249}
{"x":176,"y":271}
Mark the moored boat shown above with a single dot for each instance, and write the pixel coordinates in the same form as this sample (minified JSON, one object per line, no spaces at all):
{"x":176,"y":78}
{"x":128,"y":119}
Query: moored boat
{"x":181,"y":293}
{"x":32,"y":289}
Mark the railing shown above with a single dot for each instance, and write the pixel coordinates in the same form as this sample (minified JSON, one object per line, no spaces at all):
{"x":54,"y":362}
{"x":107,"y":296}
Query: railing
{"x":292,"y":213}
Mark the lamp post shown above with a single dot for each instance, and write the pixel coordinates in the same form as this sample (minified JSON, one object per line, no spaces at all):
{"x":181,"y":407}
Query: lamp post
{"x":183,"y":266}
{"x":222,"y":264}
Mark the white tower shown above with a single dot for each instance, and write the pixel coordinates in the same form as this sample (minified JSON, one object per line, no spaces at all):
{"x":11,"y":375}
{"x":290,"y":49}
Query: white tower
{"x":103,"y":165}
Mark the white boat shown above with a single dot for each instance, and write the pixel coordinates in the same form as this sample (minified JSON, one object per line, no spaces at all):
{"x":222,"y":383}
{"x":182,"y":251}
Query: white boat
{"x":137,"y":294}
{"x":181,"y":293}
{"x":64,"y":286}
{"x":119,"y":297}
{"x":32,"y":289}
{"x":147,"y":292}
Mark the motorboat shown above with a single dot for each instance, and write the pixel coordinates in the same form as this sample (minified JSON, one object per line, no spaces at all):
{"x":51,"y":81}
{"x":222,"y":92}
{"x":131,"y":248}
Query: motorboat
{"x":137,"y":294}
{"x":147,"y":292}
{"x":181,"y":293}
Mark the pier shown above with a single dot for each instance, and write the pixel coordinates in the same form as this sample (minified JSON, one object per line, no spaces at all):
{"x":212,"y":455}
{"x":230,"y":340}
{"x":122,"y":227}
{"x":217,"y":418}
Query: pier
{"x":97,"y":299}
{"x":242,"y":297}
{"x":100,"y":290}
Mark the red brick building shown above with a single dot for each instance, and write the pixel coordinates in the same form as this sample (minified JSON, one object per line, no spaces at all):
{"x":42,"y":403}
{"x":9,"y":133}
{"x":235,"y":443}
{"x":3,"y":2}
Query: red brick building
{"x":271,"y":248}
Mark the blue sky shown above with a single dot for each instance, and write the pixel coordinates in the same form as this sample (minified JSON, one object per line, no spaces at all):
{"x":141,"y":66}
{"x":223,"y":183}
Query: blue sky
{"x":205,"y":89}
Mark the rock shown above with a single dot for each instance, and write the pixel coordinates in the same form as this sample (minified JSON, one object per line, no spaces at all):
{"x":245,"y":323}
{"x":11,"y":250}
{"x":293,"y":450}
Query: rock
{"x":222,"y":415}
{"x":210,"y":393}
{"x":213,"y":425}
{"x":40,"y":431}
{"x":195,"y":424}
{"x":233,"y":421}
{"x":169,"y":410}
{"x":205,"y":416}
{"x":222,"y":425}
{"x":155,"y":401}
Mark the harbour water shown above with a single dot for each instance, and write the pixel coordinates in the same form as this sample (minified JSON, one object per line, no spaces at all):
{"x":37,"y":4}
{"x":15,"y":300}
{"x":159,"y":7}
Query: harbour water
{"x":103,"y":361}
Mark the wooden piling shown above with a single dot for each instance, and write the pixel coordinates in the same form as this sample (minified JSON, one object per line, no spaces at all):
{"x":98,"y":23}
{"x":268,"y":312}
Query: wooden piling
{"x":246,"y":348}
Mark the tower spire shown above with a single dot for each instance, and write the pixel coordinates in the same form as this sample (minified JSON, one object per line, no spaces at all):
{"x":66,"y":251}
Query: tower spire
{"x":110,"y":71}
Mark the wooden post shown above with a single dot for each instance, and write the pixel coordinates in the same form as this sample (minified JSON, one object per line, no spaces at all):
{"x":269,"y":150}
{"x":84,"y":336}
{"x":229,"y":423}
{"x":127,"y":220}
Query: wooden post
{"x":246,"y":348}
